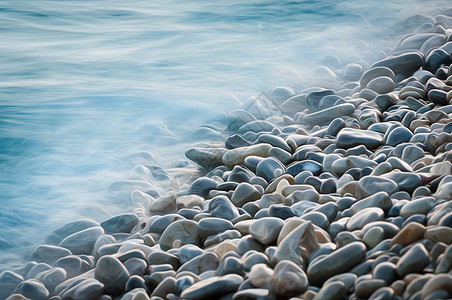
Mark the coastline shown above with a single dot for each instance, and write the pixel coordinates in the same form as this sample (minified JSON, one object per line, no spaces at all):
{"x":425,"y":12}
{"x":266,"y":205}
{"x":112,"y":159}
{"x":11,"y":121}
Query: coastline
{"x":342,"y":192}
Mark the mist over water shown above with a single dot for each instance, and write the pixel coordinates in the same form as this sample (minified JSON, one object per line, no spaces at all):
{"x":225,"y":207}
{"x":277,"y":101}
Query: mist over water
{"x":91,"y":89}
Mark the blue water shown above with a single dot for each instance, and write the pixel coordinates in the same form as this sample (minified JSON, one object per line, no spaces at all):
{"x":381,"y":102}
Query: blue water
{"x":90,"y":91}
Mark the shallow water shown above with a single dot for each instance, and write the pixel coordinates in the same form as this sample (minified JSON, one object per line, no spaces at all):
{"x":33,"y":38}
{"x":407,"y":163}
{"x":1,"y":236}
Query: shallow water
{"x":90,"y":89}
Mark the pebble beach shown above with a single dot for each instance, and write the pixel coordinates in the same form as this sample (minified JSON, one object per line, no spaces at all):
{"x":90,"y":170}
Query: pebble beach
{"x":336,"y":191}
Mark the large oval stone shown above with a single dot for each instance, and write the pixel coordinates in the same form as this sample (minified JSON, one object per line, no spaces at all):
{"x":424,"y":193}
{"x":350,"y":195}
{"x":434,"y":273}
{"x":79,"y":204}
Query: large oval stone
{"x":340,"y":261}
{"x":185,"y":231}
{"x":213,"y":287}
{"x":112,"y":273}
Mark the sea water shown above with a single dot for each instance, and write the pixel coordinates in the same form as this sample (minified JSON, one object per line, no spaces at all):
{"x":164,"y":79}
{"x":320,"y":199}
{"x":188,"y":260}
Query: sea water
{"x":89,"y":90}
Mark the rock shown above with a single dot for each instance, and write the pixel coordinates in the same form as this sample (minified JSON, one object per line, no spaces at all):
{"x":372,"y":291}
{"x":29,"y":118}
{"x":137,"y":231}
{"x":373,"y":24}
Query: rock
{"x":405,"y":64}
{"x":335,"y":126}
{"x":122,"y":223}
{"x":397,"y":136}
{"x":165,"y":287}
{"x":49,"y":254}
{"x":255,"y":294}
{"x":417,"y":206}
{"x":381,"y":85}
{"x":82,"y":242}
{"x":205,"y":262}
{"x":380,"y":200}
{"x":365,"y":216}
{"x":161,"y":258}
{"x":406,"y":181}
{"x":350,"y":137}
{"x":32,"y":289}
{"x":409,"y":234}
{"x":435,"y":59}
{"x":256,"y":126}
{"x":186,"y":231}
{"x":288,"y":279}
{"x":245,"y":193}
{"x":222,"y":236}
{"x":112,"y":273}
{"x":270,"y":168}
{"x":330,"y":101}
{"x":238,"y":117}
{"x":165,"y":204}
{"x":189,"y":201}
{"x":413,"y":261}
{"x":306,"y":165}
{"x":211,"y":226}
{"x":313,"y":99}
{"x":439,"y":234}
{"x":365,"y":288}
{"x":235,"y":141}
{"x":9,"y":280}
{"x":340,"y":166}
{"x":385,"y":271}
{"x":56,"y":236}
{"x":135,"y":282}
{"x":340,"y":261}
{"x":331,"y":291}
{"x":375,"y":73}
{"x":385,"y":101}
{"x":317,"y":218}
{"x":213,"y":287}
{"x":237,"y":156}
{"x":74,"y":265}
{"x":328,"y":114}
{"x":201,"y":187}
{"x":88,"y":289}
{"x":260,"y":275}
{"x":298,"y":241}
{"x":206,"y":157}
{"x":136,"y":266}
{"x":370,"y":185}
{"x":275,"y":141}
{"x":51,"y":278}
{"x":266,"y":230}
{"x":437,"y":283}
{"x":222,"y":207}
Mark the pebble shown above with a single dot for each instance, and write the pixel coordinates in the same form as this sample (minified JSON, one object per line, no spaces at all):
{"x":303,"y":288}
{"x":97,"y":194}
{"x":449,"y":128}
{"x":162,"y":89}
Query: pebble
{"x":9,"y":280}
{"x":201,"y":263}
{"x":328,"y":114}
{"x":213,"y":287}
{"x":122,"y":223}
{"x":245,"y":193}
{"x":212,"y":226}
{"x":270,"y":168}
{"x":413,"y":261}
{"x":350,"y":137}
{"x":237,"y":156}
{"x":340,"y":261}
{"x":185,"y":231}
{"x":288,"y":279}
{"x":405,"y":64}
{"x":266,"y":230}
{"x":222,"y":207}
{"x":381,"y":85}
{"x":409,"y":234}
{"x":49,"y":254}
{"x":65,"y":230}
{"x":112,"y":273}
{"x":32,"y":289}
{"x":82,"y":241}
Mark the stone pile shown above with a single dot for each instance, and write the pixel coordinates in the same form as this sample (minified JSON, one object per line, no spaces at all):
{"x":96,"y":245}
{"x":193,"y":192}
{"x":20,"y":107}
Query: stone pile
{"x":346,"y":195}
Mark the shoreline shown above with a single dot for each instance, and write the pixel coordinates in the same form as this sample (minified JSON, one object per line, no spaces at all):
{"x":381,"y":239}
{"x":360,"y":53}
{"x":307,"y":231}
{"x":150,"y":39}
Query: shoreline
{"x":342,"y":192}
